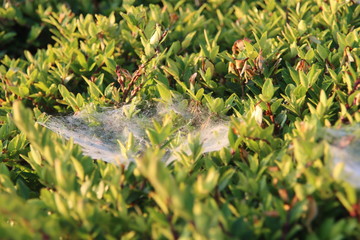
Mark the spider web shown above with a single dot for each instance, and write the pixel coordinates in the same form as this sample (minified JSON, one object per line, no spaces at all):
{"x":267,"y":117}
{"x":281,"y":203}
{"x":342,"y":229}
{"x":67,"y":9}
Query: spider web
{"x":345,"y":148}
{"x":99,"y":130}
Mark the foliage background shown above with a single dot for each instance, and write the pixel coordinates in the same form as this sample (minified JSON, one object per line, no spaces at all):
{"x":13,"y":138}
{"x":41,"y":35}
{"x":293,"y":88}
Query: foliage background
{"x":293,"y":73}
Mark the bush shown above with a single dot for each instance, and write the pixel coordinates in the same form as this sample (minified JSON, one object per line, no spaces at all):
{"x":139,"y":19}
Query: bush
{"x":283,"y":71}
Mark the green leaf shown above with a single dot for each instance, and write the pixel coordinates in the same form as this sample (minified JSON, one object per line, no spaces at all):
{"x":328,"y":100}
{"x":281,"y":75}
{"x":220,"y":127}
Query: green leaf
{"x":94,"y":91}
{"x":322,"y":51}
{"x":268,"y":90}
{"x":165,"y":93}
{"x":187,"y":41}
{"x":309,"y":55}
{"x":68,"y":97}
{"x":302,"y":27}
{"x":82,"y":60}
{"x":109,"y":50}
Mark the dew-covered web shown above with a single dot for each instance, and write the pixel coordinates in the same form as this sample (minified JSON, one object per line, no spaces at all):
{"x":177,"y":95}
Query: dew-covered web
{"x":345,"y":148}
{"x":99,"y":130}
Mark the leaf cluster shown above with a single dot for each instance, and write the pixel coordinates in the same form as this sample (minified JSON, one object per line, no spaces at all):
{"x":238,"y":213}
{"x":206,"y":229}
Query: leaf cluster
{"x":284,"y":71}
